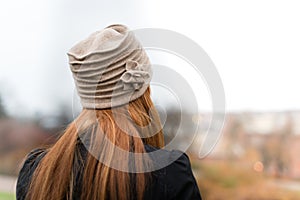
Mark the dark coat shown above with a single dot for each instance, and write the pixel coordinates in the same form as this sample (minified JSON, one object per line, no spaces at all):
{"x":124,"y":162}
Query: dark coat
{"x":175,"y":181}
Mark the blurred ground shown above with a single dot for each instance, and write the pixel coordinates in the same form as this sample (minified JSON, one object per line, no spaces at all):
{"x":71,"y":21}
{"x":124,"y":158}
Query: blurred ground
{"x":235,"y":180}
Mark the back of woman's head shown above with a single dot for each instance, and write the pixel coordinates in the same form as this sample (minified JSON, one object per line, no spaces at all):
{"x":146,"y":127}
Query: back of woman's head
{"x":95,"y":156}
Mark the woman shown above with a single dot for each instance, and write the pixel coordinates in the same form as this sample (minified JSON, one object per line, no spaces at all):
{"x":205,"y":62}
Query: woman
{"x":114,"y":148}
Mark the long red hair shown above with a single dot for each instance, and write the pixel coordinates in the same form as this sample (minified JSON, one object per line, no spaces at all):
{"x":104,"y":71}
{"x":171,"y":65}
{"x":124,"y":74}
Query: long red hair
{"x":55,"y":176}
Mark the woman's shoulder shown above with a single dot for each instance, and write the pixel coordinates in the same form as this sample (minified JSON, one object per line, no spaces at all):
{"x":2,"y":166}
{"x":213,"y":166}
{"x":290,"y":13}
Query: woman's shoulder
{"x":181,"y":178}
{"x":33,"y":158}
{"x":173,"y":160}
{"x":177,"y":174}
{"x":33,"y":154}
{"x":29,"y":165}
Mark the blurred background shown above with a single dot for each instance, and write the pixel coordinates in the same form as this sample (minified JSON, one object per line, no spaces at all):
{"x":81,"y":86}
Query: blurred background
{"x":255,"y":46}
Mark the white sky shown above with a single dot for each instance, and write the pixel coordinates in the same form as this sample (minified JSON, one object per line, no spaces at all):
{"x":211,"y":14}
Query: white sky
{"x":255,"y":46}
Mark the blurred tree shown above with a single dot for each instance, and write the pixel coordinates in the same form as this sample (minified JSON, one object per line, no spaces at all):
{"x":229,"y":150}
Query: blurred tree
{"x":275,"y":152}
{"x":172,"y":123}
{"x":236,"y":130}
{"x":65,"y":114}
{"x":2,"y":109}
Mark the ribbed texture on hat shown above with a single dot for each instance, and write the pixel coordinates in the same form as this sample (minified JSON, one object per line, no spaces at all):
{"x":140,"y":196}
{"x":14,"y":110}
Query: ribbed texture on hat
{"x":99,"y":61}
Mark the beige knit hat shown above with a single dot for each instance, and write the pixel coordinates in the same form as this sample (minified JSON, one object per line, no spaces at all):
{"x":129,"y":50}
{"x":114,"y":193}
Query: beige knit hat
{"x":110,"y":68}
